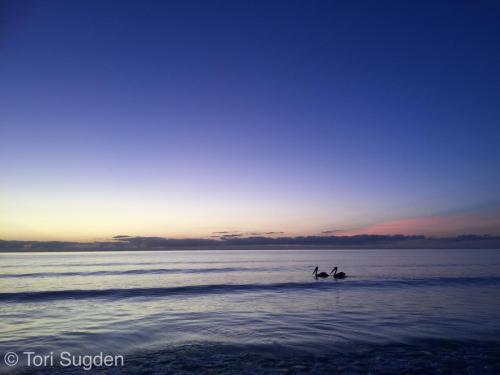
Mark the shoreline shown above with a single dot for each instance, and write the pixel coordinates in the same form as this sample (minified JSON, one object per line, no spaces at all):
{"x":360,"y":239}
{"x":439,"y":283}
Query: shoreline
{"x":424,"y":355}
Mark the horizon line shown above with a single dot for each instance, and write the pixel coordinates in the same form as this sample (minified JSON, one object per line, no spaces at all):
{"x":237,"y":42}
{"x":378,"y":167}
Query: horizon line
{"x":372,"y":241}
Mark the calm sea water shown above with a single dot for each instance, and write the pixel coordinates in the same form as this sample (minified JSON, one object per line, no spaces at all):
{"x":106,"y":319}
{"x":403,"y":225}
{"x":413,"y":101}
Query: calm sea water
{"x":258,"y":311}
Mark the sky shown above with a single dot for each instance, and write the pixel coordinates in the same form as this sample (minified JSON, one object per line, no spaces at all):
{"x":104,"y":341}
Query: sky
{"x":180,"y":119}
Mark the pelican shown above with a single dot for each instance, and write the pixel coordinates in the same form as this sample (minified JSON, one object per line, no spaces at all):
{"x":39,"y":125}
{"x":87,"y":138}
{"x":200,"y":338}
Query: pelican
{"x":340,"y":275}
{"x":321,"y":274}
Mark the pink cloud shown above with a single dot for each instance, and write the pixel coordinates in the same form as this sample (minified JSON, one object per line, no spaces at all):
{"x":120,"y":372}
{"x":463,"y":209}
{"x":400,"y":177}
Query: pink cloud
{"x":437,"y":225}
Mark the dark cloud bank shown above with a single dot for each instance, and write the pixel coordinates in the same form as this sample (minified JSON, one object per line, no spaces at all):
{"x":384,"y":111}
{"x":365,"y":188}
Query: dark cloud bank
{"x":126,"y":243}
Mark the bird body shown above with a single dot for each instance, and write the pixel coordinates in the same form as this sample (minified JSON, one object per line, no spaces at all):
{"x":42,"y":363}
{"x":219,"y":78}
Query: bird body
{"x":321,"y":274}
{"x":338,"y":275}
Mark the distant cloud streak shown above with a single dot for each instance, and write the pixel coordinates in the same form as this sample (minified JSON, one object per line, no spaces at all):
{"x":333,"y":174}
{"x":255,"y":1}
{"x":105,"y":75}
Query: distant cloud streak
{"x":235,"y":241}
{"x":437,"y":225}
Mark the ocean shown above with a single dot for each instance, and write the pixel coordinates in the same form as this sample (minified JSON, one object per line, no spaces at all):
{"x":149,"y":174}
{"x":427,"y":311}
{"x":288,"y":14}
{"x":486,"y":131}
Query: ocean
{"x":253,"y":311}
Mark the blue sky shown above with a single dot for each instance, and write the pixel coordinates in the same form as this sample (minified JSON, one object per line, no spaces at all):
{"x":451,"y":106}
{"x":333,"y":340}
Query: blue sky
{"x":183,"y":118}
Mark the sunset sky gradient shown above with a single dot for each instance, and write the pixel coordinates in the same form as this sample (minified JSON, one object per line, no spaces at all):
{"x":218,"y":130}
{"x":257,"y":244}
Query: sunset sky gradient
{"x":179,"y":119}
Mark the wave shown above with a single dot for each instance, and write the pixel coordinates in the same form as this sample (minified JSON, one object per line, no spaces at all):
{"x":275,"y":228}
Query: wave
{"x":112,"y":264}
{"x":195,"y":290}
{"x":103,"y":264}
{"x":140,"y":271}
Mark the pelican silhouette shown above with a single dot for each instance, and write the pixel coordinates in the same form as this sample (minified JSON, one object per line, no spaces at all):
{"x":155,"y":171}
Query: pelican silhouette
{"x":339,"y":275}
{"x":321,"y":274}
